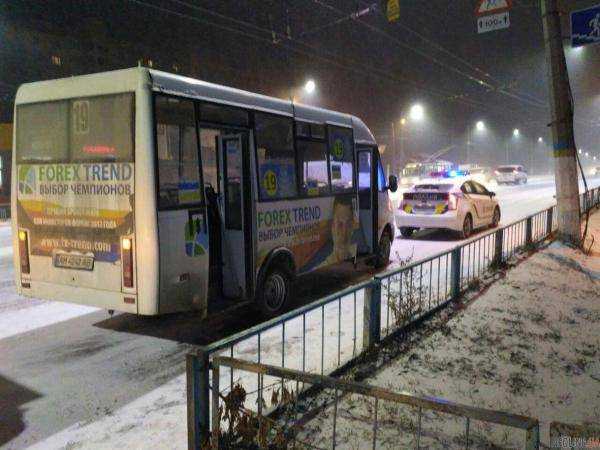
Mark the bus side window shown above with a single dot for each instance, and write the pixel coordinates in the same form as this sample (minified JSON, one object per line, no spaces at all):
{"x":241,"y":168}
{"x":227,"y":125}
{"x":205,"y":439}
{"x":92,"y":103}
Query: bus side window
{"x":364,"y":179}
{"x":177,"y":148}
{"x":312,"y":165}
{"x":275,"y":156}
{"x":341,"y":159}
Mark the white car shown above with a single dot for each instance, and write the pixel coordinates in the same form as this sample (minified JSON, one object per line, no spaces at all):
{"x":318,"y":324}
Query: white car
{"x":457,"y":205}
{"x":514,"y":174}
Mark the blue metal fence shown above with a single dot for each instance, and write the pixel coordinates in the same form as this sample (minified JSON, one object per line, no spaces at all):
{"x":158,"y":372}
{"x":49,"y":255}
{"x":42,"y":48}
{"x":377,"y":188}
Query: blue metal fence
{"x":325,"y":335}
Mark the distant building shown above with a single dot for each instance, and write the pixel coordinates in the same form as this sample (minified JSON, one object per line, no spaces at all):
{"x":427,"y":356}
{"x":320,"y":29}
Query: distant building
{"x":5,"y":168}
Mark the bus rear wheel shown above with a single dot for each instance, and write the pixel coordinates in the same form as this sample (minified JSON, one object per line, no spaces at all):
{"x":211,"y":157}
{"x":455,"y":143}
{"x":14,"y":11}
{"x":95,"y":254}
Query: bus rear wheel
{"x":274,"y":292}
{"x":385,"y":248}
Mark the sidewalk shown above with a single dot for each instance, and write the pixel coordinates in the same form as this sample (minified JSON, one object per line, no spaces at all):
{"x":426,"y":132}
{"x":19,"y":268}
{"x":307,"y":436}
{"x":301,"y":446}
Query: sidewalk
{"x":529,"y":345}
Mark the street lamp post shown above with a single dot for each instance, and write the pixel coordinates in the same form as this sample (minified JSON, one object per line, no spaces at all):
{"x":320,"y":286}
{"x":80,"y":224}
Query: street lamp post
{"x":416,"y":113}
{"x":515,"y":134}
{"x":469,"y":139}
{"x":401,"y":138}
{"x":540,"y":141}
{"x":310,"y":86}
{"x":480,"y":128}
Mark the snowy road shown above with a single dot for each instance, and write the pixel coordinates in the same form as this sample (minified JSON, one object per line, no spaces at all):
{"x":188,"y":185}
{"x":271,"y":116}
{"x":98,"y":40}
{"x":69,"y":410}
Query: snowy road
{"x":63,"y":367}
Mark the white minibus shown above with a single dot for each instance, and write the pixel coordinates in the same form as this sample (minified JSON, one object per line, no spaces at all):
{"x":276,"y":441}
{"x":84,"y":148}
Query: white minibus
{"x":146,"y":192}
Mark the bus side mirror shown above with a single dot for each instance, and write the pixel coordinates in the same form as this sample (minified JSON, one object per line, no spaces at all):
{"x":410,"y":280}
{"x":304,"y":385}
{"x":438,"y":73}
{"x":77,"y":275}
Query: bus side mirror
{"x":393,"y":183}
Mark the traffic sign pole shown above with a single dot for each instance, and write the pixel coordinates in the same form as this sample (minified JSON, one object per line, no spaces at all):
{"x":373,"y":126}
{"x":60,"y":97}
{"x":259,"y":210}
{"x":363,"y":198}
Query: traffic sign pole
{"x":565,"y":154}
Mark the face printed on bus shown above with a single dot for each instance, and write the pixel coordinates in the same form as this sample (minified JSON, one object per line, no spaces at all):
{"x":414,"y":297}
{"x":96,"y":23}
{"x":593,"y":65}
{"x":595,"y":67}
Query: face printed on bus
{"x":341,"y":229}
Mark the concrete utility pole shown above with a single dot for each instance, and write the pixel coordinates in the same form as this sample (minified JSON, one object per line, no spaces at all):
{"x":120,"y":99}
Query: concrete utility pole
{"x":567,"y":183}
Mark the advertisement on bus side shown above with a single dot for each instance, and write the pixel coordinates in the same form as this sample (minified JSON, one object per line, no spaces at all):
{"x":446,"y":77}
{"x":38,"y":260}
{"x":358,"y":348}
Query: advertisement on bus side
{"x":81,"y":208}
{"x":318,"y":231}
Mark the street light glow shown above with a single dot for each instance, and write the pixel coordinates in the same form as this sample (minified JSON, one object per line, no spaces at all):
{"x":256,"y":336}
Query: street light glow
{"x":587,"y":154}
{"x":309,"y":87}
{"x":417,"y":112}
{"x":480,"y":126}
{"x":403,"y":121}
{"x":580,"y":151}
{"x":540,"y":139}
{"x":516,"y":132}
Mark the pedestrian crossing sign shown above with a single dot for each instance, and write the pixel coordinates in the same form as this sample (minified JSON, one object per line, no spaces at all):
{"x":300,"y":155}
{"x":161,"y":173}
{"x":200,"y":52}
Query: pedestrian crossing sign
{"x":485,"y":7}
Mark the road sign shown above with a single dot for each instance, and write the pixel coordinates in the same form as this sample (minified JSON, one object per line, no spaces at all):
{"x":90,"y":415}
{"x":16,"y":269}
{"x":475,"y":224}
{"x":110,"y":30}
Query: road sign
{"x":585,"y":26}
{"x":393,"y":10}
{"x":492,"y":7}
{"x":493,"y":22}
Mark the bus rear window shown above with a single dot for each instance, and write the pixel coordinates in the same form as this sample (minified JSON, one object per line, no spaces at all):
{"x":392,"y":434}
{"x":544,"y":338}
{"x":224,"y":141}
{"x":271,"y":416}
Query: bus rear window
{"x":101,"y":128}
{"x":84,"y":129}
{"x":42,"y":133}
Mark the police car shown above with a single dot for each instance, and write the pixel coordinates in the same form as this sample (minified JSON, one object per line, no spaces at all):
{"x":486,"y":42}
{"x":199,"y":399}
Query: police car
{"x":454,"y":204}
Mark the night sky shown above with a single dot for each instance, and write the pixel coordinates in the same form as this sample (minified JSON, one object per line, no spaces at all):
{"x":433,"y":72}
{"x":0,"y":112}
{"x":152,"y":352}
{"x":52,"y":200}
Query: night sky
{"x":364,"y":66}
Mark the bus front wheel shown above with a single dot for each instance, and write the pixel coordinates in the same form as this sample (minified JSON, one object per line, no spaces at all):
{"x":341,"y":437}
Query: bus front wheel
{"x":274,"y":292}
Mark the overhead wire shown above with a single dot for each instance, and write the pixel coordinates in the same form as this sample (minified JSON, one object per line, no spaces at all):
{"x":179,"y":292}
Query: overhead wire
{"x":312,"y":52}
{"x":478,"y":81}
{"x":459,"y":98}
{"x":353,"y":65}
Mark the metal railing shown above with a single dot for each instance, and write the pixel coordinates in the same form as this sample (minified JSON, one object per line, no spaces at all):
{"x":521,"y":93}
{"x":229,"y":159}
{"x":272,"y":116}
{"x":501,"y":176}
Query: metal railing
{"x":319,"y":337}
{"x":325,"y":335}
{"x":418,"y":403}
{"x":567,"y":435}
{"x":419,"y":289}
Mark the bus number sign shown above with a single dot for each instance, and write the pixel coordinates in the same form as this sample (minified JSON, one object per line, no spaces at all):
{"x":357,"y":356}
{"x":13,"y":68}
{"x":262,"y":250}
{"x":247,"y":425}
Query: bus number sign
{"x":81,"y":114}
{"x":338,"y":150}
{"x":270,"y":183}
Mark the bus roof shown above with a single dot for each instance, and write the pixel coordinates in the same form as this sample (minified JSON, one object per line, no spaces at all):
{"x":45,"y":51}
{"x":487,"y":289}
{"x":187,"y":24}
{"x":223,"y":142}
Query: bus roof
{"x":128,"y":79}
{"x":190,"y":87}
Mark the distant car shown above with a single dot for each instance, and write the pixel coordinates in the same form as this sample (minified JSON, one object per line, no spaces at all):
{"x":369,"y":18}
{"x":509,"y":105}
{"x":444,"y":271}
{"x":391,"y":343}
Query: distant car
{"x":482,"y":175}
{"x":513,"y":174}
{"x":450,"y":204}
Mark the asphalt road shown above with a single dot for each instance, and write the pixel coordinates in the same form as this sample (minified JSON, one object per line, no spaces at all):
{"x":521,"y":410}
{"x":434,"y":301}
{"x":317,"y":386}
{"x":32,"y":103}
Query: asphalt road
{"x":58,"y":373}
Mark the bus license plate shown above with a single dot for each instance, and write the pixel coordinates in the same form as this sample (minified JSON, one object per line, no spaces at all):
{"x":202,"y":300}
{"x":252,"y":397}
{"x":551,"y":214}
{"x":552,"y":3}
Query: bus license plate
{"x":79,"y":262}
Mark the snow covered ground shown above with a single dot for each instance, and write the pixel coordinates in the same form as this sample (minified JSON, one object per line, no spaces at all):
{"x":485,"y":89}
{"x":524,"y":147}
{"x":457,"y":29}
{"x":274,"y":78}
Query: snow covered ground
{"x":77,"y":378}
{"x":528,"y":345}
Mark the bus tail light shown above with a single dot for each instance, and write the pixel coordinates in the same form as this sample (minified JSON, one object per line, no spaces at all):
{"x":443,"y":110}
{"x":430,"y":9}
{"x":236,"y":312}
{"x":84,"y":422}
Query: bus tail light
{"x":24,"y":251}
{"x":127,"y":261}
